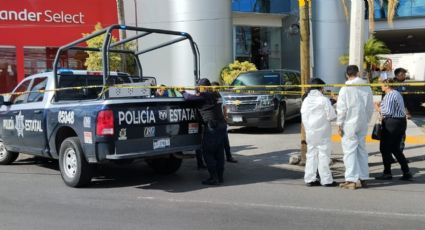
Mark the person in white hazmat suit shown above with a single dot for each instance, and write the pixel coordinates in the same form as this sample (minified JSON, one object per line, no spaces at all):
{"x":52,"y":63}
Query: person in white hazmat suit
{"x":316,"y":114}
{"x":354,"y":111}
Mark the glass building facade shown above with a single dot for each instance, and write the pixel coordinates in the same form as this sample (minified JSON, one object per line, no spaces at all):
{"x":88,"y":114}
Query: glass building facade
{"x":261,"y":45}
{"x":405,"y":8}
{"x":261,"y":6}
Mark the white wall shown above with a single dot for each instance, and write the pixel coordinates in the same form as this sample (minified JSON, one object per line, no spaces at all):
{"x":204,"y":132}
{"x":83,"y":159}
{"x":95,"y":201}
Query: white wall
{"x":413,"y":62}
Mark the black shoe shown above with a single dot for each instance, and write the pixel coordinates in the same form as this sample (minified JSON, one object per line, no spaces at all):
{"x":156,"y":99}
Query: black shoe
{"x":210,"y":181}
{"x":232,"y":160}
{"x":384,"y":177}
{"x":407,"y":177}
{"x":314,"y":183}
{"x":333,"y":184}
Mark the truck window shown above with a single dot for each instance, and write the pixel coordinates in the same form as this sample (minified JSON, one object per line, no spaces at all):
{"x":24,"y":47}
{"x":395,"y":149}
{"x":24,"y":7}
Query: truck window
{"x":38,"y":84}
{"x":72,"y":81}
{"x":20,"y":98}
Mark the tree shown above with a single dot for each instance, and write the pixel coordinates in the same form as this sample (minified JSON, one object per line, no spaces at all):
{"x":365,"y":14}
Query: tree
{"x":231,"y":71}
{"x":372,"y":48}
{"x":94,"y":59}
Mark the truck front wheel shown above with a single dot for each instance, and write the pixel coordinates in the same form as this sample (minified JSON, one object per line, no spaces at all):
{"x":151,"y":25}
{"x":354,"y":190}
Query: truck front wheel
{"x":75,"y":170}
{"x":165,"y":165}
{"x":7,"y":157}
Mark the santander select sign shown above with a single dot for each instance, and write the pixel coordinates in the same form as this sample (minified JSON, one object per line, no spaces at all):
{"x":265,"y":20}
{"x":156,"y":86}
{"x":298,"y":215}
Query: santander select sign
{"x":47,"y":16}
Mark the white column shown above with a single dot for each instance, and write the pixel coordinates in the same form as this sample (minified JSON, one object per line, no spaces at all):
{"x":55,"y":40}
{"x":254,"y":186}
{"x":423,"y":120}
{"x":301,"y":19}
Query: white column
{"x":330,"y":40}
{"x":357,"y":33}
{"x":210,"y":24}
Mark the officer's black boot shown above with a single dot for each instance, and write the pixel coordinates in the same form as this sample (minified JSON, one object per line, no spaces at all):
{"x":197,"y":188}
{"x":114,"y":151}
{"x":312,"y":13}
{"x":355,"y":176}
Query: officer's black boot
{"x":212,"y":180}
{"x":220,"y":177}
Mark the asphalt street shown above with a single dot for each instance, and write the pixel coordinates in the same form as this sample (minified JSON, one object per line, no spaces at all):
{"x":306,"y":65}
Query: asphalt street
{"x":260,"y":192}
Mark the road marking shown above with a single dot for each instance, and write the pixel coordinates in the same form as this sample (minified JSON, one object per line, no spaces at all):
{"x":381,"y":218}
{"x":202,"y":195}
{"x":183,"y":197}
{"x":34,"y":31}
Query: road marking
{"x":287,"y":207}
{"x":414,"y":140}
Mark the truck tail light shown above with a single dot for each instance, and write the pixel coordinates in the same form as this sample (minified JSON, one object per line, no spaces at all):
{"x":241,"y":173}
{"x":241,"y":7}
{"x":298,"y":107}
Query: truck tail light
{"x":105,"y":123}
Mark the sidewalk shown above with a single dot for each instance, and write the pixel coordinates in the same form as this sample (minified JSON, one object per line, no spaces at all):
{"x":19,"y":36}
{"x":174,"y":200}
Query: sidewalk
{"x":414,"y":134}
{"x":414,"y":152}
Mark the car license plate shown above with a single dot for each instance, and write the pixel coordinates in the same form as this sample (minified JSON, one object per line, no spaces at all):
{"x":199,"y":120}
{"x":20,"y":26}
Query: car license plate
{"x":161,"y":143}
{"x":237,"y":118}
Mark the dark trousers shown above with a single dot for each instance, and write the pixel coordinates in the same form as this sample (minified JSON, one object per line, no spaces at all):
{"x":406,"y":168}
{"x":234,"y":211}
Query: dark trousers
{"x":213,"y":150}
{"x":227,"y":146}
{"x":393,"y":131}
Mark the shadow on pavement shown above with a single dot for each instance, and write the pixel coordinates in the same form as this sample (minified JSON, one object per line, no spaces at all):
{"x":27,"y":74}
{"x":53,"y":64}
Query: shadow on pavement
{"x":291,"y":127}
{"x":249,"y":169}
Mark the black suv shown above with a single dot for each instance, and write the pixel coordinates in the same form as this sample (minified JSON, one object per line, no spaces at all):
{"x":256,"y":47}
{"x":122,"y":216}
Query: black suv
{"x":262,"y":109}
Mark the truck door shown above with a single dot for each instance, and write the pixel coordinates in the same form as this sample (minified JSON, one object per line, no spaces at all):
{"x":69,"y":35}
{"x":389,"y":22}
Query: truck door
{"x":12,"y":119}
{"x":35,"y":140}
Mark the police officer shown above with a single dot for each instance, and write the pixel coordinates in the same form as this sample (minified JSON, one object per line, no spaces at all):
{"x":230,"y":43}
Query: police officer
{"x":214,"y":130}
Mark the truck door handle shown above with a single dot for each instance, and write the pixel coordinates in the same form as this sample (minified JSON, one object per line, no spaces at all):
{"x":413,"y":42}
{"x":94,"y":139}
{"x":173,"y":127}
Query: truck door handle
{"x":37,"y":111}
{"x":15,"y":112}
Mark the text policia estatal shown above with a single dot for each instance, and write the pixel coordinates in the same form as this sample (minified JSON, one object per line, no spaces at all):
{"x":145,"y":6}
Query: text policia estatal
{"x":147,"y":116}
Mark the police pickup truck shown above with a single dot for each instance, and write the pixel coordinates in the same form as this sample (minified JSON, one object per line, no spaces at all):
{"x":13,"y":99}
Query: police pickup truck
{"x":83,"y":118}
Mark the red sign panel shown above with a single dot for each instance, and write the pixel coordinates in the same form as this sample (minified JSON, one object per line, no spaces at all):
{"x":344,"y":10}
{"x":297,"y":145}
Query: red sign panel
{"x":52,"y":22}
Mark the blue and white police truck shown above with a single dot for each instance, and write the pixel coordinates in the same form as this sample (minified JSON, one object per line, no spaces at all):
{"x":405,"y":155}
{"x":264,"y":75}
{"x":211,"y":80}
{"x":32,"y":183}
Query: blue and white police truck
{"x":83,"y":118}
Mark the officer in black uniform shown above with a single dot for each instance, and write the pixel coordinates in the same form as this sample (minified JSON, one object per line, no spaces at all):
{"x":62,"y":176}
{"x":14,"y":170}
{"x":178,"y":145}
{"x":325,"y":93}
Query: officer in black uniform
{"x":214,"y":130}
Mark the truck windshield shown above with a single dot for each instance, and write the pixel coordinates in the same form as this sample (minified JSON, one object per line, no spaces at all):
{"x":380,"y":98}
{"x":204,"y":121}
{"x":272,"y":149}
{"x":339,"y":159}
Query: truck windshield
{"x":257,"y":78}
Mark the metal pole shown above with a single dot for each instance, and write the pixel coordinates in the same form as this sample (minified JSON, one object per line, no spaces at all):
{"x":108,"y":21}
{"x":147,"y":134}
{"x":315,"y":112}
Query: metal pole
{"x":137,"y":24}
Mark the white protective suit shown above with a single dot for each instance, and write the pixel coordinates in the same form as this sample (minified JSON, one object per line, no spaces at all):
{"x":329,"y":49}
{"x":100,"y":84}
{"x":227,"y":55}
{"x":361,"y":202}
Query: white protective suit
{"x":317,"y":114}
{"x":355,"y":109}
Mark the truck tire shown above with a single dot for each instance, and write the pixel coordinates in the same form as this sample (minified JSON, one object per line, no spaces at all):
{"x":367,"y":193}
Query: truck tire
{"x":7,"y":157}
{"x":75,"y":170}
{"x":165,"y":165}
{"x":281,"y":117}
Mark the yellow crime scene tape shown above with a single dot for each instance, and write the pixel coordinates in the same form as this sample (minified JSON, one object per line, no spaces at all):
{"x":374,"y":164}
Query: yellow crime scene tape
{"x":265,"y":89}
{"x":258,"y":89}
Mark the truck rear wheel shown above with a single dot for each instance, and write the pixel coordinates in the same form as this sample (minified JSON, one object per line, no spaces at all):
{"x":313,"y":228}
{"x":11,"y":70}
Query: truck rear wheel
{"x":75,"y":170}
{"x":7,"y":157}
{"x":165,"y":165}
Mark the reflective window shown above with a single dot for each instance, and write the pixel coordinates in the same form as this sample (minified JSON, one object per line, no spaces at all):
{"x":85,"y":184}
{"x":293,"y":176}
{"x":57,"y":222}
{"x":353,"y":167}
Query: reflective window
{"x":259,"y":45}
{"x":20,"y":98}
{"x":8,"y":73}
{"x":261,"y":6}
{"x":40,"y":59}
{"x":404,"y":8}
{"x":38,"y":84}
{"x":257,"y":78}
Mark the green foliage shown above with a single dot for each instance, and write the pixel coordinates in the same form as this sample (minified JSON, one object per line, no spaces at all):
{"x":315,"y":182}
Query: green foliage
{"x":372,"y":48}
{"x":116,"y":61}
{"x":231,"y":71}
